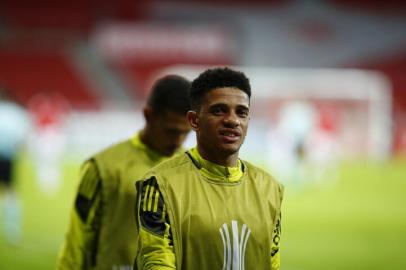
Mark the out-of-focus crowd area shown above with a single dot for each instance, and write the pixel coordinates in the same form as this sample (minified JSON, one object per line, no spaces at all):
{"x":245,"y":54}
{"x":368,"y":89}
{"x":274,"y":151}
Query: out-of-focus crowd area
{"x":58,"y":59}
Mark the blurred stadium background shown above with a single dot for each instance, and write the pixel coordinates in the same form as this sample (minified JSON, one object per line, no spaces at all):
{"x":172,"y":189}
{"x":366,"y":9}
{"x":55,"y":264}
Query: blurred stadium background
{"x":329,"y":110}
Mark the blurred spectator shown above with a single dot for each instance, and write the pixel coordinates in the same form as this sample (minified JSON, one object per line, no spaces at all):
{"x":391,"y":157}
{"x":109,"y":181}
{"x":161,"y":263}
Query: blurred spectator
{"x":304,"y":143}
{"x":14,"y":124}
{"x":322,"y":155}
{"x":288,"y":139}
{"x":49,"y":110}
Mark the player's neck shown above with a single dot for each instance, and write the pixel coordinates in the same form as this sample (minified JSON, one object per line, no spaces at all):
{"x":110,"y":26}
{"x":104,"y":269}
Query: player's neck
{"x":146,"y":138}
{"x":226,"y":160}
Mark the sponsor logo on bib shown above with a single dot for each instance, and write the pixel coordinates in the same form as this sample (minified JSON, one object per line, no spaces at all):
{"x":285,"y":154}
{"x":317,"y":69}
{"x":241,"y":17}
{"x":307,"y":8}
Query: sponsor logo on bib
{"x":234,"y":244}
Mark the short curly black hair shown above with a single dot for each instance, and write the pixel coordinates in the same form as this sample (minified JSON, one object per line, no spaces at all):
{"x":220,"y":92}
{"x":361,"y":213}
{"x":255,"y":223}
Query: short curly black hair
{"x":216,"y":78}
{"x":170,"y":93}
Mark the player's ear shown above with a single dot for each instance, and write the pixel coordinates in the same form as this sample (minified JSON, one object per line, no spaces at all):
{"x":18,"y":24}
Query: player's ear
{"x":147,"y":111}
{"x":193,"y":119}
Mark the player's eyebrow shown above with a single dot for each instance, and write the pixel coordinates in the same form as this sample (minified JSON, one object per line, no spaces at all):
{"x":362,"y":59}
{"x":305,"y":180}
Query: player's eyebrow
{"x":243,"y":107}
{"x":226,"y":106}
{"x":218,"y":105}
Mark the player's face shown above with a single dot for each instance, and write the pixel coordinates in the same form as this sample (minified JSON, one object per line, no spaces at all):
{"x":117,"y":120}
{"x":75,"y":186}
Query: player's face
{"x":170,"y":130}
{"x":221,"y":123}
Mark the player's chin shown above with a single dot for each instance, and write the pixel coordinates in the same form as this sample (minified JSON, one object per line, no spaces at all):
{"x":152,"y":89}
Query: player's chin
{"x":230,"y":149}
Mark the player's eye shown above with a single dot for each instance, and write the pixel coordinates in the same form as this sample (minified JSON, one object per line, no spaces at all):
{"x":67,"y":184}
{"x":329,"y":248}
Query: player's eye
{"x":243,"y":113}
{"x":217,"y":110}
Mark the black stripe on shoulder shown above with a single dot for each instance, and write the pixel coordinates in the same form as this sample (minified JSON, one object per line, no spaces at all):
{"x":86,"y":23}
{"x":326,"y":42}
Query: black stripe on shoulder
{"x":89,"y":188}
{"x":89,"y":179}
{"x":83,"y":204}
{"x":152,"y":207}
{"x":150,"y":181}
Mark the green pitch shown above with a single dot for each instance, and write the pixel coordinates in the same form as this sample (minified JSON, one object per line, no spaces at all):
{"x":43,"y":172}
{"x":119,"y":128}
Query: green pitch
{"x":358,"y":222}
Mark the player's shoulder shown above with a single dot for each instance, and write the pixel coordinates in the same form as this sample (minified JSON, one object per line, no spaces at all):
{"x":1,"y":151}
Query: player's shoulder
{"x":254,"y":169}
{"x":115,"y":155}
{"x":265,"y":181}
{"x":178,"y":160}
{"x":118,"y":148}
{"x":175,"y":163}
{"x":258,"y":173}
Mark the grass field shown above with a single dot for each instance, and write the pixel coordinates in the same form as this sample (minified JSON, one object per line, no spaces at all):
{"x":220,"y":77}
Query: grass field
{"x":357,"y":223}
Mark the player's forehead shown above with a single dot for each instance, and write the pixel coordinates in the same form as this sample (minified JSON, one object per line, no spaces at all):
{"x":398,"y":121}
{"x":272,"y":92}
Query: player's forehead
{"x":229,"y":96}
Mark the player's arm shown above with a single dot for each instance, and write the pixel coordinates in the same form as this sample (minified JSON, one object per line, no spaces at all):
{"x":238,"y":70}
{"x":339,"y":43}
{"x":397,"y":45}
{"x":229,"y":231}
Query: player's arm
{"x":155,"y":237}
{"x":276,"y":236}
{"x":80,"y":246}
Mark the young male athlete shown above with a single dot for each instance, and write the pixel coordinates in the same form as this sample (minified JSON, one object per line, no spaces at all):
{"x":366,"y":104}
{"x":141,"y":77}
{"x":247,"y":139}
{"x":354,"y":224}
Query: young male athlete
{"x":100,"y":234}
{"x":208,"y":209}
{"x":14,"y":127}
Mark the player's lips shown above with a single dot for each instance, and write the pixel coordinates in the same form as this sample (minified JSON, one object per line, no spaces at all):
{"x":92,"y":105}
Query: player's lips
{"x":230,"y":135}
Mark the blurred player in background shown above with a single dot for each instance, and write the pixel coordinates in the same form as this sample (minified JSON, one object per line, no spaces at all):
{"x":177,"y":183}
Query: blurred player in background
{"x":289,"y":138}
{"x":49,"y":110}
{"x":303,"y":145}
{"x":14,"y":125}
{"x":208,"y":209}
{"x":102,"y":232}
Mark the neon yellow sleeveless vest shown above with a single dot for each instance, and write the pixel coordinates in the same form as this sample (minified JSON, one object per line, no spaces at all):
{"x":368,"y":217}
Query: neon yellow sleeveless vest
{"x":217,"y":224}
{"x":119,"y":166}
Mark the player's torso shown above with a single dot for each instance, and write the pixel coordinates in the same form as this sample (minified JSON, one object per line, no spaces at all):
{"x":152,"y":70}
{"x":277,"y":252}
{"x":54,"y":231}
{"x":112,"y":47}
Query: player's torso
{"x":220,"y":225}
{"x":118,"y":235}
